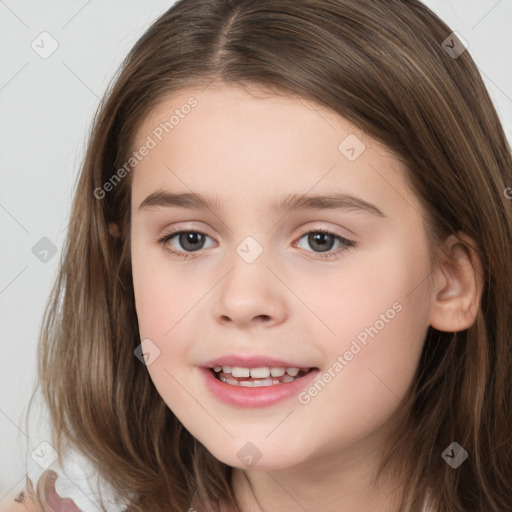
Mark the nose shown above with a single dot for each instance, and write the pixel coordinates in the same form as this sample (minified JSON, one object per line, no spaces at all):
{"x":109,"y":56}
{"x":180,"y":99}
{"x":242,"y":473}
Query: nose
{"x":250,"y":294}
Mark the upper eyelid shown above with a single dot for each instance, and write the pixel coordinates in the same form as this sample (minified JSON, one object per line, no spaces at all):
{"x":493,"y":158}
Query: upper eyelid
{"x":193,"y":229}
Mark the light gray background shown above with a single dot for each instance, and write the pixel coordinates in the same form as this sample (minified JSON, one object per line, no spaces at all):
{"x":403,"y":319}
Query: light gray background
{"x":46,"y":109}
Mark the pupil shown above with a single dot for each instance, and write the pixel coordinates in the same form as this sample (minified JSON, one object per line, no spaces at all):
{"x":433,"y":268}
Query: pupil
{"x":188,"y":240}
{"x":319,"y":239}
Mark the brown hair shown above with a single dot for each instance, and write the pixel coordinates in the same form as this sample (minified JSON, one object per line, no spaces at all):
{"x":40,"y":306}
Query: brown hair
{"x":382,"y":66}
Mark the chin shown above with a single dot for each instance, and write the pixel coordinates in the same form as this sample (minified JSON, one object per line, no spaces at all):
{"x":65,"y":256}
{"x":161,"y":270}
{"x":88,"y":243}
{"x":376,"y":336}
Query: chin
{"x":247,"y":455}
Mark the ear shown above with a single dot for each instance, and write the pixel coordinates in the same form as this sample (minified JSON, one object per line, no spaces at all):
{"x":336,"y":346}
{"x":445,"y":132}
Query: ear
{"x":458,"y":283}
{"x":113,"y":229}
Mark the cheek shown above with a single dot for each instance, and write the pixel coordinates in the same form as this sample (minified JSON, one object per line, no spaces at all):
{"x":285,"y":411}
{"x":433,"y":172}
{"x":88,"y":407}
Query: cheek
{"x":168,"y":303}
{"x":164,"y":293}
{"x":377,"y":314}
{"x":370,"y":366}
{"x":164,"y":305}
{"x":372,"y":294}
{"x":381,"y":321}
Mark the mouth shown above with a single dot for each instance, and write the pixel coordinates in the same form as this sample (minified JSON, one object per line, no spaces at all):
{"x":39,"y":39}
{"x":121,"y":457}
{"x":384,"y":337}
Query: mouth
{"x":262,"y":376}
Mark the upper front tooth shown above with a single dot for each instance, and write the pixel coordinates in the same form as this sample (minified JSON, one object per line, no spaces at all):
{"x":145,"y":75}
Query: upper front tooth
{"x":260,"y":373}
{"x":238,"y":371}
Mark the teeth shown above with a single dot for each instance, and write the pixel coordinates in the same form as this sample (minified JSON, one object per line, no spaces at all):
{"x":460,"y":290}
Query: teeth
{"x":238,"y":371}
{"x":277,"y":372}
{"x":250,"y":383}
{"x":257,"y":373}
{"x":257,"y":377}
{"x":258,"y":383}
{"x":260,"y":373}
{"x":233,"y":382}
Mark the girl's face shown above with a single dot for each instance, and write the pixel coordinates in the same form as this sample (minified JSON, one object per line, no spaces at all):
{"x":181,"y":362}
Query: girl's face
{"x":252,"y":282}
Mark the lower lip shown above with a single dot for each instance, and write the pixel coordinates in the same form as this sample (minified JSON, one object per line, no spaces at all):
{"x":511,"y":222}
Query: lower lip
{"x":263,"y":396}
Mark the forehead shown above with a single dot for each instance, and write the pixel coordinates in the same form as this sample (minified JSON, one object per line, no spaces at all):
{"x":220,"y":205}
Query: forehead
{"x":229,"y":101}
{"x":249,"y":143}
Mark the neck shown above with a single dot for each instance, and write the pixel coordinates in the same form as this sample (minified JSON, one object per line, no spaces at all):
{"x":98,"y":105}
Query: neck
{"x":342,"y":481}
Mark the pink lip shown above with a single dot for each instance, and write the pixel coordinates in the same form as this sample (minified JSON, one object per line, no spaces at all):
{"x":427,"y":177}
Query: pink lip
{"x":251,"y":362}
{"x":255,"y":397}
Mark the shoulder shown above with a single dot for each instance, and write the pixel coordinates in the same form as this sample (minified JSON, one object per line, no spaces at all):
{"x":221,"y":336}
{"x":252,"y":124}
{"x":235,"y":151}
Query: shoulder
{"x":19,"y":506}
{"x":199,"y":505}
{"x":24,"y":500}
{"x":40,"y":498}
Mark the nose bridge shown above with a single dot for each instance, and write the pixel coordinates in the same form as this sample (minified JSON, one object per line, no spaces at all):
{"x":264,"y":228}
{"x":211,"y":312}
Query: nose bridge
{"x":248,"y":275}
{"x":250,"y":249}
{"x":249,"y":289}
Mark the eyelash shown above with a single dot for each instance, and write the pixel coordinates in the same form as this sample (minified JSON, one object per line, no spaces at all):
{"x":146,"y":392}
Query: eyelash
{"x":184,"y":255}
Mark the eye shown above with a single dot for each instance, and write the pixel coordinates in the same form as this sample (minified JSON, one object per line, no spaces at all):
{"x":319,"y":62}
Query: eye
{"x":324,"y":240}
{"x":189,"y":240}
{"x":193,"y":241}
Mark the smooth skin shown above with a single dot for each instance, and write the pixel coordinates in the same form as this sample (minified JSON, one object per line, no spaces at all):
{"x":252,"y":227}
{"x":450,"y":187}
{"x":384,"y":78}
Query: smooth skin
{"x":248,"y":148}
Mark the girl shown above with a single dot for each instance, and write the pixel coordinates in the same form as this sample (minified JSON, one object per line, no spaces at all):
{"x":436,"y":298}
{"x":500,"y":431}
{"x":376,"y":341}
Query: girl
{"x":287,"y":279}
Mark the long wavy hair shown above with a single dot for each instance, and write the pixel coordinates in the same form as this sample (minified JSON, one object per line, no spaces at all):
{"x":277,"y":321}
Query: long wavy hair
{"x":383,"y":65}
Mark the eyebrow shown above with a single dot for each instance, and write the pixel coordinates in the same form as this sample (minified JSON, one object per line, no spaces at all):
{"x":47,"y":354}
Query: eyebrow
{"x":289,"y":202}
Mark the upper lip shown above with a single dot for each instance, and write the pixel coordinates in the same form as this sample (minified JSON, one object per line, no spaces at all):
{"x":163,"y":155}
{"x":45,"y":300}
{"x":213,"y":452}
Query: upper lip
{"x":252,"y":362}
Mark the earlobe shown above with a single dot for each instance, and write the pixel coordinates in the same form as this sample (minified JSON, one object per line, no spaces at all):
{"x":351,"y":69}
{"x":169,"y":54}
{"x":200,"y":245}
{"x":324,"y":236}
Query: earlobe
{"x":458,"y":283}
